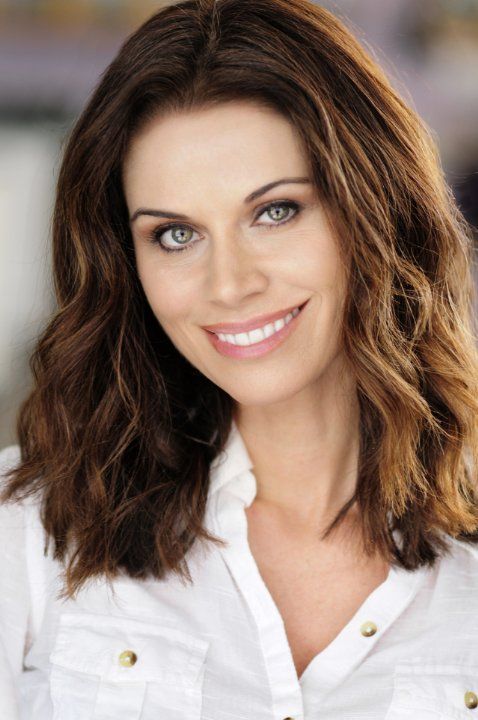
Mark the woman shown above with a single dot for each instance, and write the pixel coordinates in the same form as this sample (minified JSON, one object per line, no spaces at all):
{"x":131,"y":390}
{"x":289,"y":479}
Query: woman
{"x":250,"y":450}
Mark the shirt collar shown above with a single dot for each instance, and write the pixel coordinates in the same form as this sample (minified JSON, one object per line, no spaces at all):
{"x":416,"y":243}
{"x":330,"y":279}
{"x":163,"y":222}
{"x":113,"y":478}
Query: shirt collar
{"x":232,"y":462}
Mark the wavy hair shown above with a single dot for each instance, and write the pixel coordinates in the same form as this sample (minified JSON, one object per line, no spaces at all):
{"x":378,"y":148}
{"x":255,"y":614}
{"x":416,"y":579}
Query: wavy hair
{"x":119,"y":431}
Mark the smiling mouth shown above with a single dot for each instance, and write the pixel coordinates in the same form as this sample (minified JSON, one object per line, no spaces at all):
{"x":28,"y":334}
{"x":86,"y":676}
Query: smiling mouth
{"x":259,"y":335}
{"x":261,"y":322}
{"x":255,"y":343}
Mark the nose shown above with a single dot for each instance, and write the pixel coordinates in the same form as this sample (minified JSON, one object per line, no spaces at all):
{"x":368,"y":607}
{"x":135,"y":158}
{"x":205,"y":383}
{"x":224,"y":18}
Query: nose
{"x":234,"y":272}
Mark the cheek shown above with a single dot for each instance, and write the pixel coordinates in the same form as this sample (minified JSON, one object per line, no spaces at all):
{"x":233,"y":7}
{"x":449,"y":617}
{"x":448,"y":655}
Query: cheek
{"x":169,"y":297}
{"x":316,"y":261}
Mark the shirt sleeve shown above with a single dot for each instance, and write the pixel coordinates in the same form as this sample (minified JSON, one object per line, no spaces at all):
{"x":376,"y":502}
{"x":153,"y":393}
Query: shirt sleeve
{"x":14,"y":594}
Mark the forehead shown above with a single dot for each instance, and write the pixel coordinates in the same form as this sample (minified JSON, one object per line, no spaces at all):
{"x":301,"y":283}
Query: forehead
{"x":229,"y":141}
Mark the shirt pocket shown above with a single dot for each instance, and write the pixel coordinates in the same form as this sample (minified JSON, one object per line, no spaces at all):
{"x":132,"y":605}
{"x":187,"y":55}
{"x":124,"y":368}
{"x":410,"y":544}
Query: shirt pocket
{"x":430,"y":691}
{"x":105,"y":667}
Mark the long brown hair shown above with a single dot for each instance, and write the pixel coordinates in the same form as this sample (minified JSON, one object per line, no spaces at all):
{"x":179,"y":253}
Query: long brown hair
{"x":120,"y":430}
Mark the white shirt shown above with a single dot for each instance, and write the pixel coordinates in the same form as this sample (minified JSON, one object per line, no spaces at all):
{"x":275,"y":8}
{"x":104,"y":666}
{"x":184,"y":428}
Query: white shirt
{"x":218,"y":650}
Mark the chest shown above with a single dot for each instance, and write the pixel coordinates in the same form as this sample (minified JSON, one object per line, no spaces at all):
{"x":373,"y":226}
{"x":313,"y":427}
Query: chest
{"x":316,"y":588}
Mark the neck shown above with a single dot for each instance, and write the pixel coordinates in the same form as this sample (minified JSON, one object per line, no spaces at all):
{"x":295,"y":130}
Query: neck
{"x":305,"y":450}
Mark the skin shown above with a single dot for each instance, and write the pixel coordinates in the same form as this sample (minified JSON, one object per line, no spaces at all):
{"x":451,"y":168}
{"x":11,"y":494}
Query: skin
{"x":296,"y":407}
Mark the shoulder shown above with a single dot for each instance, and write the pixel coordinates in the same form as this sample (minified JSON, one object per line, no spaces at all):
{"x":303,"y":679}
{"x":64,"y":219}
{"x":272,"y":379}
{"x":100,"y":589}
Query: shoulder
{"x":23,"y":567}
{"x":459,"y":567}
{"x":464,"y":552}
{"x":15,"y":595}
{"x":21,"y":531}
{"x":12,"y":514}
{"x":9,"y":457}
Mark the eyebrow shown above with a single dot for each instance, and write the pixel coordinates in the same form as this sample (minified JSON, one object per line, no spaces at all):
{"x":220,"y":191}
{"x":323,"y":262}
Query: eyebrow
{"x":253,"y":196}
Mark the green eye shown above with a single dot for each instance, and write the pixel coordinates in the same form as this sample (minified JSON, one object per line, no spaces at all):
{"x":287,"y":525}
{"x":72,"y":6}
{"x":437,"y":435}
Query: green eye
{"x":177,"y":229}
{"x":182,"y":234}
{"x":279,"y":211}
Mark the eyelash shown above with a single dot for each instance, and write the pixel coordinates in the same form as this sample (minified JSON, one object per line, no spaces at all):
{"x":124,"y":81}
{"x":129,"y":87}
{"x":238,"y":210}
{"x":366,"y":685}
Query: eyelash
{"x":158,"y":231}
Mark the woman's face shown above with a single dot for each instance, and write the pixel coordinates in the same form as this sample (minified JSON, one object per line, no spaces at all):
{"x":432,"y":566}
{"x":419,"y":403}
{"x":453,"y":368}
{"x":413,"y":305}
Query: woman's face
{"x":227,"y":251}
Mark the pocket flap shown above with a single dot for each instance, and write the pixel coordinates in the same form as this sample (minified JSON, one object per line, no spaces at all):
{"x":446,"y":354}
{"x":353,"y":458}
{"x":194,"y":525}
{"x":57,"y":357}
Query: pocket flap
{"x":440,"y":690}
{"x":92,"y":644}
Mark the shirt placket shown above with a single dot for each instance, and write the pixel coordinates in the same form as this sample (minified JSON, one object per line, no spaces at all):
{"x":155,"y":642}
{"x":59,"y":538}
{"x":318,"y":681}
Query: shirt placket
{"x":329,"y":669}
{"x":291,"y":697}
{"x":231,"y":523}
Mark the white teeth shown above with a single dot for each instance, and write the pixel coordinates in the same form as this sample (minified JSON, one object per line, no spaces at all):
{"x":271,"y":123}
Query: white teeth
{"x":258,"y":334}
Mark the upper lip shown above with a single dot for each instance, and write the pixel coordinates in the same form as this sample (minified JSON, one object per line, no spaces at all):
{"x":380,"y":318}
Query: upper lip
{"x":252,"y":324}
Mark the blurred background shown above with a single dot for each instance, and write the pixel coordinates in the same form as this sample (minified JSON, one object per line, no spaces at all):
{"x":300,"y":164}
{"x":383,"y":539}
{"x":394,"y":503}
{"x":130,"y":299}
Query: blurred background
{"x":52,"y":53}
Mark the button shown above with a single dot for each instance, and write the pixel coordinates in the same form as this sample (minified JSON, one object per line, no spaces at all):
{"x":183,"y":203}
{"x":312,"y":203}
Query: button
{"x":368,"y":628}
{"x":471,"y":700}
{"x":127,"y":658}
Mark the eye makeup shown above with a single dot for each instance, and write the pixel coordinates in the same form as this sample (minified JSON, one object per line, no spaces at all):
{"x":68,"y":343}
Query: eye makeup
{"x":155,"y":236}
